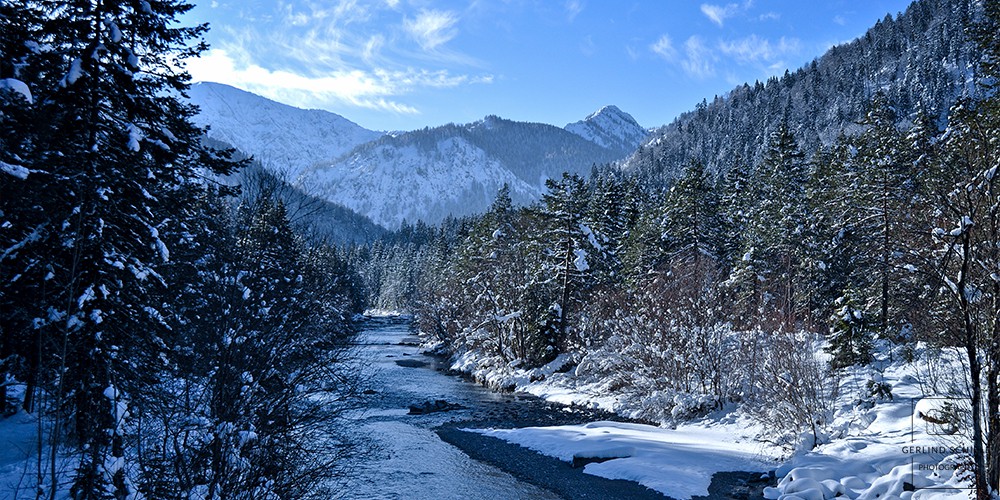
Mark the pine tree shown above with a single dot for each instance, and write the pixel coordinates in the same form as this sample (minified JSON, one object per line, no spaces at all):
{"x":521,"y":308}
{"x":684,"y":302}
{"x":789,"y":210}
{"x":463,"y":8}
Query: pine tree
{"x":774,"y":244}
{"x":850,"y":338}
{"x":566,"y":246}
{"x":883,"y":191}
{"x":111,"y":140}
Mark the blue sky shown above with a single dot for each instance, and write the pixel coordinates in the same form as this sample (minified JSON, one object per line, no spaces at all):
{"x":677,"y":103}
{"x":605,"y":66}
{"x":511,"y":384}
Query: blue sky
{"x":407,"y":64}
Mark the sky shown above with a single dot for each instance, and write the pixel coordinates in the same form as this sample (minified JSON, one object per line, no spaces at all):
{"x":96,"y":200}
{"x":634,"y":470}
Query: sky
{"x":407,"y":64}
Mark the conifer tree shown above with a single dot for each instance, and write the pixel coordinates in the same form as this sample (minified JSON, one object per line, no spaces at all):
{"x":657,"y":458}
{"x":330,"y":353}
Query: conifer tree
{"x":883,"y":191}
{"x":774,"y":242}
{"x":566,"y":246}
{"x":111,"y":140}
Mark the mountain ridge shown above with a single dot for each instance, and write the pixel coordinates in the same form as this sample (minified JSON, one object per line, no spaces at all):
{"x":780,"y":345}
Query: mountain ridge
{"x":920,"y":59}
{"x":389,"y":177}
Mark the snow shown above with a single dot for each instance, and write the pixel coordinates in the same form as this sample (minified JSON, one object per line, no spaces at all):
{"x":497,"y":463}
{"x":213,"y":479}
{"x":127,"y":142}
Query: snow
{"x":16,"y":86}
{"x":14,"y":170}
{"x":872,"y":448}
{"x":284,"y":139}
{"x":74,"y":74}
{"x":391,"y":182}
{"x":580,"y":262}
{"x":678,"y":462}
{"x":422,"y":175}
{"x":610,"y":127}
{"x":134,"y":136}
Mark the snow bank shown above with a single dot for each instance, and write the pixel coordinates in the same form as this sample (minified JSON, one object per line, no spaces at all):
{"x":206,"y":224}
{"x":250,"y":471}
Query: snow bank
{"x":16,"y":86}
{"x":909,"y":447}
{"x":906,"y":443}
{"x":679,"y":463}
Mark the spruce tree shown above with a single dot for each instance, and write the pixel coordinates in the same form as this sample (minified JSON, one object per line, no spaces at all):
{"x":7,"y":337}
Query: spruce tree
{"x":111,"y":140}
{"x":565,"y":247}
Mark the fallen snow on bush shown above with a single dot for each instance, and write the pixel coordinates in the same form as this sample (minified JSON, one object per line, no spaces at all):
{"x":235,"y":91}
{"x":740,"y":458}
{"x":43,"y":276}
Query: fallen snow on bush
{"x":894,"y":432}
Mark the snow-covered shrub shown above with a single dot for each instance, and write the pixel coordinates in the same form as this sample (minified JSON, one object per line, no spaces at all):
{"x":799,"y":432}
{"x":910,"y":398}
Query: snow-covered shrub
{"x":794,"y":391}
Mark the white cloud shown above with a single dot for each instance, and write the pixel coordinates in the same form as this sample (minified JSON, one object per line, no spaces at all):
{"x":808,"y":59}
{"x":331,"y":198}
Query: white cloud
{"x":373,"y":47}
{"x":719,"y":13}
{"x":754,"y":49}
{"x":573,"y":9}
{"x":699,"y":60}
{"x":432,"y":28}
{"x":839,"y":19}
{"x":376,"y":89}
{"x":664,"y":47}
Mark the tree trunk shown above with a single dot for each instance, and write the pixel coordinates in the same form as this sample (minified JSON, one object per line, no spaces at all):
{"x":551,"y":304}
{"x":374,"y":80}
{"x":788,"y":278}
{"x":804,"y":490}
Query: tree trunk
{"x":975,"y":368}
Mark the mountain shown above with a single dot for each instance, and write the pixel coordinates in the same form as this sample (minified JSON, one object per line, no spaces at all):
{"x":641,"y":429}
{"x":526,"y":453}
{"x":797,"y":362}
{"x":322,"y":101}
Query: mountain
{"x":432,"y":173}
{"x":921,"y":60}
{"x":425,"y":174}
{"x":611,"y":128}
{"x":286,"y":140}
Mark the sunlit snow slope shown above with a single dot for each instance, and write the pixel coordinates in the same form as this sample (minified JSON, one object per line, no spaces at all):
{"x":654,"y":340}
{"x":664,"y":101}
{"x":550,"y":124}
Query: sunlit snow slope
{"x":427,"y":174}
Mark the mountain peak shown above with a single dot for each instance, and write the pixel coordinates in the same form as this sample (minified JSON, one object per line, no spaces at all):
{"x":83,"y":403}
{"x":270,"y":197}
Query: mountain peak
{"x":285,"y":139}
{"x":609,"y":110}
{"x":611,"y":128}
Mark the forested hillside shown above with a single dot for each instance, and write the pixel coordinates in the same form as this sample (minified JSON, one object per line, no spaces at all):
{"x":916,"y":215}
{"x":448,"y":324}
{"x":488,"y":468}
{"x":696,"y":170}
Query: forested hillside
{"x":921,"y":61}
{"x":854,"y":222}
{"x":159,"y":337}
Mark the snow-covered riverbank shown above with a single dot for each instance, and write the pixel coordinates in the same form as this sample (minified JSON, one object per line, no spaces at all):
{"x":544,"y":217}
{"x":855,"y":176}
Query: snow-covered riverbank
{"x":893,"y":446}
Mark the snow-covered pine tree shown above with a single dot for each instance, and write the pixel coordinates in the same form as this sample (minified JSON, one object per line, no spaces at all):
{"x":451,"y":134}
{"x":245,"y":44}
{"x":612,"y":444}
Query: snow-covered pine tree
{"x":881,"y":196}
{"x":967,"y":239}
{"x":21,"y":219}
{"x":850,"y":338}
{"x":691,"y":228}
{"x":774,"y":246}
{"x":565,"y":246}
{"x":111,"y":138}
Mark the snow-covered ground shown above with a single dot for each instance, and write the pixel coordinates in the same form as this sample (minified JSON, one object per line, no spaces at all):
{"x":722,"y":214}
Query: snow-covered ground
{"x":906,"y":446}
{"x":677,"y":462}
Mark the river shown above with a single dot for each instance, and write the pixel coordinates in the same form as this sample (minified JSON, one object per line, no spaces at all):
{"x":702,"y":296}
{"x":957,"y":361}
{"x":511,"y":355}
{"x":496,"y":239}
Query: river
{"x":416,"y":457}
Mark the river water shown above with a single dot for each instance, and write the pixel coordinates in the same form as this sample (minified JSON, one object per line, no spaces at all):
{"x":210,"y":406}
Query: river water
{"x":404,"y":457}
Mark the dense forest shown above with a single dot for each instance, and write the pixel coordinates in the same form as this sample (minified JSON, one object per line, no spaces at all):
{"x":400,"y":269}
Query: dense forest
{"x":175,"y":338}
{"x":922,"y":60}
{"x":717,"y":290}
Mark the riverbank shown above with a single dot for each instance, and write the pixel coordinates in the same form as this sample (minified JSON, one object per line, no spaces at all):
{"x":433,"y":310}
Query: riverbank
{"x":429,"y":455}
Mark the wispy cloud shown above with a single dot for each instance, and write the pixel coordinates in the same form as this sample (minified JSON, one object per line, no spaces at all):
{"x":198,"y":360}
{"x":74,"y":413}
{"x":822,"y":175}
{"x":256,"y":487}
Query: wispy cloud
{"x":755,"y":50}
{"x":432,"y":28}
{"x":377,"y":89}
{"x":573,"y":9}
{"x":839,"y":19}
{"x":699,"y":60}
{"x":341,"y":53}
{"x":719,"y":13}
{"x":664,"y":47}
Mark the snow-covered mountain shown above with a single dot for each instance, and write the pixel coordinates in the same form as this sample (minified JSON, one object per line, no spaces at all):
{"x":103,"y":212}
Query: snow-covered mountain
{"x":611,"y":128}
{"x":425,"y":174}
{"x":393,"y":181}
{"x":455,"y":170}
{"x":286,"y":140}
